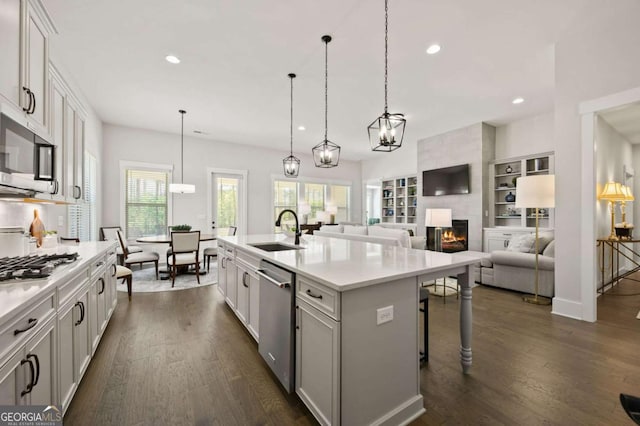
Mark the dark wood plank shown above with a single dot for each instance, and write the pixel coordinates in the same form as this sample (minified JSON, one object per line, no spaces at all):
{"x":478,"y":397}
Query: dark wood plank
{"x":184,"y":358}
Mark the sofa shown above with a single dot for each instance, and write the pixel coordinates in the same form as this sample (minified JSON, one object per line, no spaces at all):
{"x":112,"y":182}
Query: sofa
{"x":372,"y":234}
{"x":514,"y":268}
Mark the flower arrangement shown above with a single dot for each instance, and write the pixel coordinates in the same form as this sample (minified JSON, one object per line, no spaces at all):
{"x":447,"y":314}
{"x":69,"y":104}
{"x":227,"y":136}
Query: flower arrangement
{"x":181,"y":228}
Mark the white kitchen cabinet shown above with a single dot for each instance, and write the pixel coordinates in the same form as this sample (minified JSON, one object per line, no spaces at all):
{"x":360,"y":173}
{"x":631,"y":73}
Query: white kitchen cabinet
{"x":35,"y":72}
{"x":10,"y":47}
{"x":57,"y":131}
{"x":222,"y":272}
{"x":112,"y":284}
{"x":74,"y":344}
{"x":318,"y":362}
{"x":231,"y":294}
{"x":254,"y":304}
{"x":242,"y":287}
{"x":29,"y":376}
{"x":97,"y":308}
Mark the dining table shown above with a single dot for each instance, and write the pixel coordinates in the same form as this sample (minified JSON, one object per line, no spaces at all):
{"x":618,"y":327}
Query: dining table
{"x":166,"y":239}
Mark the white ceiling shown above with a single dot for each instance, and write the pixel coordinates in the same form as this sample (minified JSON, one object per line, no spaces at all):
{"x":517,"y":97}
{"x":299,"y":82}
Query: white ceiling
{"x":236,"y":56}
{"x":626,"y":120}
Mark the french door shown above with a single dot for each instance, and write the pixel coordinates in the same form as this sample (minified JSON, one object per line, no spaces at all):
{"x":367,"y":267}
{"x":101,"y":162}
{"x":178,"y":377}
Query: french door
{"x":228,"y":200}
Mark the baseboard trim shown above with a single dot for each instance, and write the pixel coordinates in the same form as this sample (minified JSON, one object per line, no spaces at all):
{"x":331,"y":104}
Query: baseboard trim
{"x":567,"y":308}
{"x":403,"y":414}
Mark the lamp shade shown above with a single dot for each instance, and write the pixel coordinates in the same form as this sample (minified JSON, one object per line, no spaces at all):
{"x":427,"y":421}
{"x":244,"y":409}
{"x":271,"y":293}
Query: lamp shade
{"x":536,"y":191}
{"x":612,"y":191}
{"x":304,"y":208}
{"x":628,"y":195}
{"x":332,"y":209}
{"x":438,"y":218}
{"x":182,"y":188}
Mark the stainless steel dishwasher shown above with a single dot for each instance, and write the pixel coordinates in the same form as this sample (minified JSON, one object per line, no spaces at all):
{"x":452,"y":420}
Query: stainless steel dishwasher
{"x":277,"y":321}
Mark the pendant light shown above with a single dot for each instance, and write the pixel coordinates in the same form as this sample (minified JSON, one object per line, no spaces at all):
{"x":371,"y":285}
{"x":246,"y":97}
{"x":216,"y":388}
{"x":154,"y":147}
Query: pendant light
{"x":182,"y":188}
{"x":387,"y":131}
{"x":326,"y":154}
{"x":291,"y":164}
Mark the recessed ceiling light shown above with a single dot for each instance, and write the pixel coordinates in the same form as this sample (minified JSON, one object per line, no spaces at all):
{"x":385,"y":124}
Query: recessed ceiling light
{"x":517,"y":100}
{"x":302,"y":128}
{"x":172,"y":59}
{"x":433,"y":49}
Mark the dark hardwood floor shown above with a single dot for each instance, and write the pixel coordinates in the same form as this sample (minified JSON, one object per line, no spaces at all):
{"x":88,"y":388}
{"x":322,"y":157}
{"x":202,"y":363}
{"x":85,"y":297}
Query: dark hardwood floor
{"x":182,"y":358}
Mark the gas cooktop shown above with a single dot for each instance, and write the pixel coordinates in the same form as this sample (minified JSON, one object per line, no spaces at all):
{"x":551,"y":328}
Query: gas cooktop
{"x":32,"y":267}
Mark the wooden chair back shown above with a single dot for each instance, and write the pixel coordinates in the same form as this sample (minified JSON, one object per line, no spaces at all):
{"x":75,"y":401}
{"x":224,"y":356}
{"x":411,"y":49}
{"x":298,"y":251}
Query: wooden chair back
{"x":185,"y":242}
{"x":123,"y":243}
{"x":108,"y":233}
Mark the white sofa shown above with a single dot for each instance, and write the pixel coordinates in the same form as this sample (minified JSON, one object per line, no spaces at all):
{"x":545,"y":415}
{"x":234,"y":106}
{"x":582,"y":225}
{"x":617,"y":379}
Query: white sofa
{"x":372,"y":234}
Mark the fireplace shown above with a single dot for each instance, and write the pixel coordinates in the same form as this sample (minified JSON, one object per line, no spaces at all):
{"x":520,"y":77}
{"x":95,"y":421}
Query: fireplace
{"x":454,"y":239}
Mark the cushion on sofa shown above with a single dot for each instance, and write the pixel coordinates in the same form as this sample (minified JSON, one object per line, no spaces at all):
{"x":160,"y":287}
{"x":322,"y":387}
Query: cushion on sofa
{"x":522,"y":260}
{"x":526,"y":243}
{"x":355,"y":230}
{"x":401,"y":234}
{"x":550,"y":249}
{"x":333,"y":228}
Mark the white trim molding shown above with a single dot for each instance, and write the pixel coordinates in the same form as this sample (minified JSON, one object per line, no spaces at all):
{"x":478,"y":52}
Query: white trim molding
{"x":243,"y":226}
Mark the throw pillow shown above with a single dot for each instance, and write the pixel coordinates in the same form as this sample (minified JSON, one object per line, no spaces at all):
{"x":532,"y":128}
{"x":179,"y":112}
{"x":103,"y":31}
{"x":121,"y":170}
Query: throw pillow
{"x":550,"y":250}
{"x":524,"y":243}
{"x":356,"y":230}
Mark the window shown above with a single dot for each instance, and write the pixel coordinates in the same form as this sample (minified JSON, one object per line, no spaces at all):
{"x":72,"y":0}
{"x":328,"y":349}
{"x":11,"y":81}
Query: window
{"x":146,"y":204}
{"x":82,"y":217}
{"x":288,"y":195}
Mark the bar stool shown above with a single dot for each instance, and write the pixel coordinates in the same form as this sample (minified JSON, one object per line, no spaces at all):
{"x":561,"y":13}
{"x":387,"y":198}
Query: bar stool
{"x":424,"y":300}
{"x":125,"y":274}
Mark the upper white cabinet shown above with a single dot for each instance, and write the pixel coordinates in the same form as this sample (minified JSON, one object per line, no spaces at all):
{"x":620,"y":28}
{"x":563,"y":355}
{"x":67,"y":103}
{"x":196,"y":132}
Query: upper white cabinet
{"x":24,"y":42}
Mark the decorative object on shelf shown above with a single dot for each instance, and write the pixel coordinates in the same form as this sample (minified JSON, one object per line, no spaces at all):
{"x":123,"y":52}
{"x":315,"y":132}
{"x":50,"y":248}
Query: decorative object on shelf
{"x":182,"y":188}
{"x":326,"y":154}
{"x":514,"y":182}
{"x":37,"y":230}
{"x":291,"y":164}
{"x":181,"y":228}
{"x":387,"y":131}
{"x":504,"y":185}
{"x":438,"y":218}
{"x":611,"y":193}
{"x":303,"y":210}
{"x":510,"y":198}
{"x":535,"y":192}
{"x":624,"y":230}
{"x":508,"y":169}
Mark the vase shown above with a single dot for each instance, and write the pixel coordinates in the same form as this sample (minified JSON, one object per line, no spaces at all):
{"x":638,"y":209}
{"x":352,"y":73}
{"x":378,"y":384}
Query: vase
{"x":510,"y":198}
{"x":508,"y":169}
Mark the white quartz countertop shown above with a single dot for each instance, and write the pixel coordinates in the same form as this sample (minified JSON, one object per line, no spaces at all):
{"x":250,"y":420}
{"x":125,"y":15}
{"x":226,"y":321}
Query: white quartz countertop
{"x":344,"y":264}
{"x":16,"y":296}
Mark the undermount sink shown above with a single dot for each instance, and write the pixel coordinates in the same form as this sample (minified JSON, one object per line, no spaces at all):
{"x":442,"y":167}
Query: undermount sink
{"x":274,"y":247}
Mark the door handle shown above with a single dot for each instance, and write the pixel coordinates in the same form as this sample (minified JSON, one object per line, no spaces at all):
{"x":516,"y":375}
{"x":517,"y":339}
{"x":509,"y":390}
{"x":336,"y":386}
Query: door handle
{"x":115,"y":270}
{"x":315,"y":296}
{"x":30,"y":385}
{"x":30,"y":324}
{"x":33,"y":109}
{"x":102,"y":281}
{"x":244,"y":279}
{"x":28,"y":108}
{"x":35,"y":357}
{"x":261,"y":272}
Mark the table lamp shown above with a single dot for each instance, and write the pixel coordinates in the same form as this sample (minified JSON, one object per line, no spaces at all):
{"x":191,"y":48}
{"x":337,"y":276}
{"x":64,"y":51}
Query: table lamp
{"x":624,"y":229}
{"x":332,"y":210}
{"x":303,"y":210}
{"x":536,"y":192}
{"x":611,"y":193}
{"x":438,"y":219}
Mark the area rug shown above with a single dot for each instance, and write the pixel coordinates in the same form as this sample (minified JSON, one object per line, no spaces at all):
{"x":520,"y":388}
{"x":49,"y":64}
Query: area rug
{"x":439,"y":289}
{"x":144,"y":280}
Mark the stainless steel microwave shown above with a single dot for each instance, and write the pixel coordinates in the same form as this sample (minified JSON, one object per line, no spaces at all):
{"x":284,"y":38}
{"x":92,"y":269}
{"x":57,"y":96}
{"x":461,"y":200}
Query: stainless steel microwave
{"x":27,"y":161}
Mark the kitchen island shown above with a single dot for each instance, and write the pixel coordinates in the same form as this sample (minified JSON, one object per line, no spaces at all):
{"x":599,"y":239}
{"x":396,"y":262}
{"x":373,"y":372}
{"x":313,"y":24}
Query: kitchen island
{"x":356,"y":319}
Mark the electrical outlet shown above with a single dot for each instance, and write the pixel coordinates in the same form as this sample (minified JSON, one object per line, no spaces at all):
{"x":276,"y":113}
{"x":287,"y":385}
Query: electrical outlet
{"x":385,"y":314}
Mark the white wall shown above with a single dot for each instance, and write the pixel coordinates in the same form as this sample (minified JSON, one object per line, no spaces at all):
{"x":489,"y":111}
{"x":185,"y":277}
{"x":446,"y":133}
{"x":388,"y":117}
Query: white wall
{"x":382,"y":165}
{"x":125,"y":143}
{"x":531,"y":135}
{"x":594,"y":57}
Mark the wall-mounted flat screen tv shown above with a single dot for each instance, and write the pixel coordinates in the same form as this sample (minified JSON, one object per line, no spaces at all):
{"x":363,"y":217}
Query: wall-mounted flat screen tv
{"x":446,"y":181}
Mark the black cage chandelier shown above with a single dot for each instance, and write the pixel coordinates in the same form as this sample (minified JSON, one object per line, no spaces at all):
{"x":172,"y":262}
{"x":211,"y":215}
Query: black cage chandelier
{"x":291,"y":164}
{"x":326,"y":153}
{"x":387,"y":131}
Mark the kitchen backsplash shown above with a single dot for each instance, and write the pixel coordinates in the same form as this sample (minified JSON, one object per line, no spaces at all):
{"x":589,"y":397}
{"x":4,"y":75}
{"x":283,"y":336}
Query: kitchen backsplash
{"x":54,"y":217}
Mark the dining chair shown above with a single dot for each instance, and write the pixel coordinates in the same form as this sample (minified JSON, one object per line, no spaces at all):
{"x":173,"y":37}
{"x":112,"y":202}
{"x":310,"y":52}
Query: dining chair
{"x":109,"y":233}
{"x":212,"y":251}
{"x":186,"y":249}
{"x":127,"y":276}
{"x":137,"y":258}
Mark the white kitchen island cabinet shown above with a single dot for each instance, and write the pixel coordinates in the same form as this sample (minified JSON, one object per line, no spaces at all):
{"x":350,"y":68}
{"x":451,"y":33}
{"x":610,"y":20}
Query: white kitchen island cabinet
{"x":356,"y":323}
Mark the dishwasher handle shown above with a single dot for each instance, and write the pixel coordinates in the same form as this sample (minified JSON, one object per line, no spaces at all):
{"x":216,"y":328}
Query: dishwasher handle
{"x":285,"y":284}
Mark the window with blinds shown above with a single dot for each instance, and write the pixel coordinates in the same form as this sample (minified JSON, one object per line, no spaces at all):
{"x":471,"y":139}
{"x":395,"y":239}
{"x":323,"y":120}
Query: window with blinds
{"x":146,"y":202}
{"x":83,"y":217}
{"x":317,"y":195}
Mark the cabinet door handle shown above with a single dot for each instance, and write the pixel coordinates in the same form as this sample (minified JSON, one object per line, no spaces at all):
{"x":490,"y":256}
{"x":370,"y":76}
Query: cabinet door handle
{"x":315,"y":296}
{"x":28,"y":108}
{"x":33,"y":374}
{"x":35,"y":357}
{"x":79,"y":192}
{"x":102,"y":281}
{"x":33,"y":109}
{"x":244,"y":280}
{"x":222,"y":265}
{"x":115,"y":270}
{"x":31,"y":323}
{"x":81,"y":306}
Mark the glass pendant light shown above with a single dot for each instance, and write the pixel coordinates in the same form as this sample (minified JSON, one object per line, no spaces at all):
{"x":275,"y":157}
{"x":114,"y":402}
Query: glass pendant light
{"x":326,"y":154}
{"x":182,"y":188}
{"x":291,"y":164}
{"x":387,"y":131}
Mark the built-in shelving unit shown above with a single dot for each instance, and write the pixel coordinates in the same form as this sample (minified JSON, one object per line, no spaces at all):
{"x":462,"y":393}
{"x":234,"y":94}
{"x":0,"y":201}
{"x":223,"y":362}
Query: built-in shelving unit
{"x":399,"y":199}
{"x":503,"y":175}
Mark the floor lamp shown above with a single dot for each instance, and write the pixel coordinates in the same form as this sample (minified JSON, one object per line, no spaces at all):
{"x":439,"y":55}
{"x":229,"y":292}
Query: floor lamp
{"x":536,"y":192}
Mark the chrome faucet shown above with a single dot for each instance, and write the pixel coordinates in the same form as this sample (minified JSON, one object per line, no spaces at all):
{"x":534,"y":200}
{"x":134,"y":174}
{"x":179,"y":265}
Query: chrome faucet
{"x":298,"y":233}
